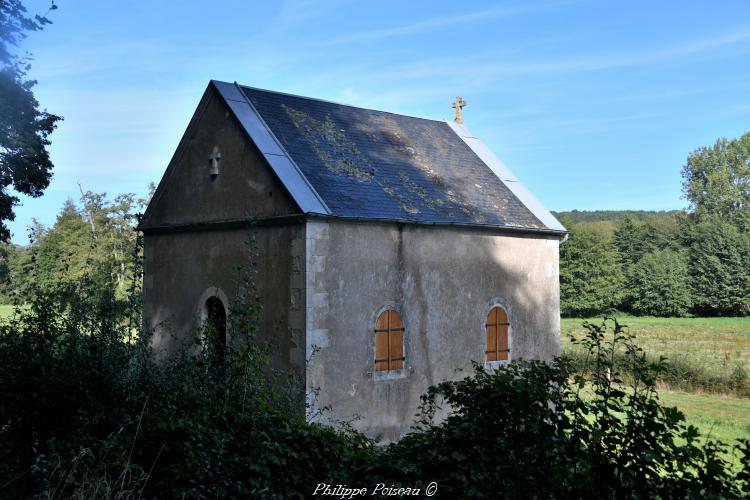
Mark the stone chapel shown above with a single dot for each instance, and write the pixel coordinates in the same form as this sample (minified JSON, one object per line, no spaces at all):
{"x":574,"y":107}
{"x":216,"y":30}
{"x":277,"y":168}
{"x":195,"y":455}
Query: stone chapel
{"x":392,"y":251}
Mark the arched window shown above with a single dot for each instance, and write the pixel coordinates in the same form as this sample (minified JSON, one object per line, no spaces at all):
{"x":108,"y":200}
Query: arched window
{"x":389,"y":341}
{"x":497,"y":335}
{"x":216,"y":326}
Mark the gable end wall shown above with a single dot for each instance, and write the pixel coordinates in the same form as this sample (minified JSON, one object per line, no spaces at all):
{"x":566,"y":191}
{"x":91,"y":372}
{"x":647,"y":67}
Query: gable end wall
{"x":245,"y":188}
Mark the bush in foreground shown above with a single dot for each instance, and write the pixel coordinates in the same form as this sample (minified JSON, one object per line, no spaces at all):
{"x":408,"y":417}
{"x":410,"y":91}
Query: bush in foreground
{"x":534,"y":430}
{"x":87,"y":414}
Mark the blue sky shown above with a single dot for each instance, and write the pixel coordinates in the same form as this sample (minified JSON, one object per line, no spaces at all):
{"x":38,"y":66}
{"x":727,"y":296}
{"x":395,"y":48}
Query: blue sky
{"x":593,"y":105}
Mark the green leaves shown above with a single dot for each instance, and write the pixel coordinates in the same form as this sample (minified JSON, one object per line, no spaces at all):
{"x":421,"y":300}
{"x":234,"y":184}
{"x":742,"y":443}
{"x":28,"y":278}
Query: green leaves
{"x":25,"y":165}
{"x":719,"y":270}
{"x":90,"y":413}
{"x":716,"y":179}
{"x":590,"y":275}
{"x":665,"y":266}
{"x":659,"y":284}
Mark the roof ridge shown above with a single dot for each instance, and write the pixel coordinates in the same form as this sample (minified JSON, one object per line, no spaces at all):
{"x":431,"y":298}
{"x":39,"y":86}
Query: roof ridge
{"x":334,"y":102}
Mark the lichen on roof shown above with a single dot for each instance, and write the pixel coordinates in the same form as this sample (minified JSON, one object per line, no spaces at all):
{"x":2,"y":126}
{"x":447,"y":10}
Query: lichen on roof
{"x":332,"y":146}
{"x":372,"y":164}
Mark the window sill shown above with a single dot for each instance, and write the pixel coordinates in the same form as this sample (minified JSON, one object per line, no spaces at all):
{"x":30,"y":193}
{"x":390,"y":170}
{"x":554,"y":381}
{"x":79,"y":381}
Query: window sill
{"x":389,"y":374}
{"x":494,"y":365}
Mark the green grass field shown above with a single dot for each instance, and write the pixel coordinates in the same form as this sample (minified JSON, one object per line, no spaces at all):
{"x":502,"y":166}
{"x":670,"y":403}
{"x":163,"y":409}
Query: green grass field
{"x":704,"y":341}
{"x":716,"y":349}
{"x":6,"y":311}
{"x":719,"y":417}
{"x":705,"y":354}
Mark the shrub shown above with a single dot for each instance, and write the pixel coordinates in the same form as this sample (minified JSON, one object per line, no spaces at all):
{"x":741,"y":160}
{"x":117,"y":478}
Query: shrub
{"x":531,"y":430}
{"x":87,"y":412}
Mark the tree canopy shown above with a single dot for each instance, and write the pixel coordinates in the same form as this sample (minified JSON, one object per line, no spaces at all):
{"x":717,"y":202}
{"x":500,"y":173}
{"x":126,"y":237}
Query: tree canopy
{"x":659,"y":285}
{"x":25,"y":165}
{"x":716,"y":179}
{"x":590,"y":276}
{"x":720,"y":276}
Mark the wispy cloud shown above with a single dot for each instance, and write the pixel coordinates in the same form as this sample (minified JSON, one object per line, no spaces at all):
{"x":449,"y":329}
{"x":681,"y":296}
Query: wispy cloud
{"x":586,"y":124}
{"x":636,"y":59}
{"x":489,"y":65}
{"x":437,"y":23}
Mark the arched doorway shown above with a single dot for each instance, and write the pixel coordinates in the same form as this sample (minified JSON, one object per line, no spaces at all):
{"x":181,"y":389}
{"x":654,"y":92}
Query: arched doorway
{"x":216,"y":326}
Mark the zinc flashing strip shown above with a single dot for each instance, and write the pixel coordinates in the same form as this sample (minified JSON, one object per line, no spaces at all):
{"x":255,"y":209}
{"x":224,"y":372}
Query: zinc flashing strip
{"x":465,"y":225}
{"x":272,"y":150}
{"x":506,"y":176}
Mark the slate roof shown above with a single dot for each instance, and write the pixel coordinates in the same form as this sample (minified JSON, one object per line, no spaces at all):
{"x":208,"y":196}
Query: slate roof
{"x":366,"y":164}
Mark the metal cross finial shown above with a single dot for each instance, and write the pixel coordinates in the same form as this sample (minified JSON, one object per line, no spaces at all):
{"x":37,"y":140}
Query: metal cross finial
{"x":214,"y":158}
{"x":458,"y":105}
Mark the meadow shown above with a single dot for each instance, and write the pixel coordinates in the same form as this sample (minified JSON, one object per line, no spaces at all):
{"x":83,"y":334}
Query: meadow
{"x":716,"y":416}
{"x":704,"y":354}
{"x":710,"y":363}
{"x":700,"y":341}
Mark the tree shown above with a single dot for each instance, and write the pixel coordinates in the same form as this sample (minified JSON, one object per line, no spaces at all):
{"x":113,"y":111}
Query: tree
{"x":719,"y":271}
{"x":638,"y":240}
{"x":590,"y":275}
{"x":635,"y":239}
{"x":112,"y":230}
{"x":25,"y":165}
{"x":94,"y":243}
{"x":716,"y":180}
{"x":659,"y":285}
{"x":61,"y":256}
{"x":628,"y":238}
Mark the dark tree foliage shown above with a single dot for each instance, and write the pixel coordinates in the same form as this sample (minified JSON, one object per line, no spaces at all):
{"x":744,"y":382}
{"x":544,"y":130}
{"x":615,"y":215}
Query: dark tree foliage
{"x":590,"y":275}
{"x":719,"y":270}
{"x":635,"y":239}
{"x":651,"y":255}
{"x":25,"y":165}
{"x":659,"y":284}
{"x":629,"y":239}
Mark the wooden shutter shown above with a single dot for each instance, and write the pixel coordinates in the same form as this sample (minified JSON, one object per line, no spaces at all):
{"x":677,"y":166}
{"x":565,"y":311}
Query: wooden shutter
{"x":381,"y":342}
{"x":389,"y":341}
{"x":396,"y":335}
{"x":497,"y":335}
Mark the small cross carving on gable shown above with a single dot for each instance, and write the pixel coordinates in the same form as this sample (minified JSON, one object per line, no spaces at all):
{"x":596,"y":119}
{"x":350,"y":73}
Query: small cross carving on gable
{"x":214,"y":159}
{"x":458,"y":105}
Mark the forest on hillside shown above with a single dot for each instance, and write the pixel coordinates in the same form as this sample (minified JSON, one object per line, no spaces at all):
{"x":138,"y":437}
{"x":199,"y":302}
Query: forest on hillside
{"x":674,"y":263}
{"x":614,"y":216}
{"x":665,"y":264}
